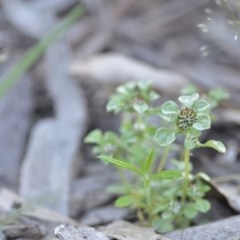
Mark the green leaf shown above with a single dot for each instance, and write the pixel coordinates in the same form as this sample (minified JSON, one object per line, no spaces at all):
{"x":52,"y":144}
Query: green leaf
{"x":217,"y":145}
{"x":163,"y":226}
{"x":202,"y":205}
{"x":144,"y":86}
{"x":124,"y":201}
{"x":168,"y":117}
{"x":149,"y":161}
{"x":170,"y":107}
{"x":167,"y":174}
{"x":194,"y":132}
{"x":180,"y":165}
{"x":219,"y":94}
{"x":94,"y":137}
{"x":115,"y":104}
{"x":167,"y":215}
{"x":203,"y":122}
{"x":204,"y":176}
{"x":189,"y":89}
{"x":126,"y":88}
{"x":110,"y":137}
{"x":190,"y":211}
{"x":31,"y":56}
{"x":165,"y":136}
{"x":118,"y":189}
{"x":153,"y":96}
{"x":189,"y":143}
{"x":140,"y":107}
{"x":121,"y":164}
{"x":160,"y":208}
{"x":201,"y":105}
{"x":189,"y":100}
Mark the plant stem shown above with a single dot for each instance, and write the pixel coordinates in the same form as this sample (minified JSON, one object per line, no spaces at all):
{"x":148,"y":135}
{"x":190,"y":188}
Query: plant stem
{"x":186,"y":173}
{"x":147,"y":184}
{"x":163,"y":160}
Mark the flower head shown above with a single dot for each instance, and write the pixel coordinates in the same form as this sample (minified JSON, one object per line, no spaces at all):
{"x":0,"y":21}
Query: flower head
{"x":186,"y":118}
{"x":190,"y":118}
{"x":192,"y":114}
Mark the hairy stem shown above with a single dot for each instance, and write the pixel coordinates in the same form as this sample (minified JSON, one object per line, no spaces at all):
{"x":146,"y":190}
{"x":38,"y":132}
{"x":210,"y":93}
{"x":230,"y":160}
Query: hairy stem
{"x":163,"y":160}
{"x":147,"y":184}
{"x":186,"y":173}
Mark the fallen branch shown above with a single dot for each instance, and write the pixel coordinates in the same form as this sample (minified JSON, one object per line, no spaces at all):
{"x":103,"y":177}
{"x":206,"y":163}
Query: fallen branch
{"x":116,"y":68}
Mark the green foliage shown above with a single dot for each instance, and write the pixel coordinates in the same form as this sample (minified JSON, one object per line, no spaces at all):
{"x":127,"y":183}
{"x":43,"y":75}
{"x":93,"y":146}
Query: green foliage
{"x":165,"y":136}
{"x":213,"y":97}
{"x":124,"y":201}
{"x":163,"y":198}
{"x":217,"y":145}
{"x":132,"y":97}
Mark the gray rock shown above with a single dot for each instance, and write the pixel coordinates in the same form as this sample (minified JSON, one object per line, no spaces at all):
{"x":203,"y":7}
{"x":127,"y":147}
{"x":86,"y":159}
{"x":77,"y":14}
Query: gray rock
{"x":220,"y":230}
{"x":82,"y":233}
{"x":48,"y":163}
{"x":16,"y":107}
{"x":235,"y":237}
{"x":2,"y":236}
{"x":25,"y":231}
{"x":123,"y":230}
{"x":90,"y":191}
{"x":104,"y":215}
{"x":54,"y":143}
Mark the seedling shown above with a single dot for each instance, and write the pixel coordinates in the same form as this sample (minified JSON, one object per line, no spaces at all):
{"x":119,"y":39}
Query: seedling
{"x":163,"y":198}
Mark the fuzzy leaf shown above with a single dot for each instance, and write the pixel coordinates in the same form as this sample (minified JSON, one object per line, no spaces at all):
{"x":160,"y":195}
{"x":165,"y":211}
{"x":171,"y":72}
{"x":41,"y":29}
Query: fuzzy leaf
{"x":144,"y":86}
{"x":121,"y":164}
{"x":190,"y":211}
{"x":168,"y":117}
{"x":153,"y":96}
{"x":189,"y":100}
{"x":204,"y":176}
{"x":217,"y":145}
{"x":202,"y":205}
{"x":117,"y":189}
{"x":126,"y":88}
{"x":219,"y":94}
{"x":149,"y":161}
{"x":167,"y":174}
{"x":201,"y":105}
{"x":140,"y":107}
{"x":189,"y":143}
{"x":163,"y":226}
{"x":115,"y":104}
{"x":194,"y":132}
{"x":165,"y":136}
{"x":170,"y":107}
{"x":189,"y":89}
{"x":124,"y":201}
{"x":94,"y":137}
{"x":203,"y":122}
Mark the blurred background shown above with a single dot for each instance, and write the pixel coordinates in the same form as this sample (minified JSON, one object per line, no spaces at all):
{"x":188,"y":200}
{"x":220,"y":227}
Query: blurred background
{"x":60,"y":61}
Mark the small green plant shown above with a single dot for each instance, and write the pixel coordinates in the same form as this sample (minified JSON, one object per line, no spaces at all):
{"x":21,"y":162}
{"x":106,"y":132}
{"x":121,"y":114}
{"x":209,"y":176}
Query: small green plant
{"x":163,"y":198}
